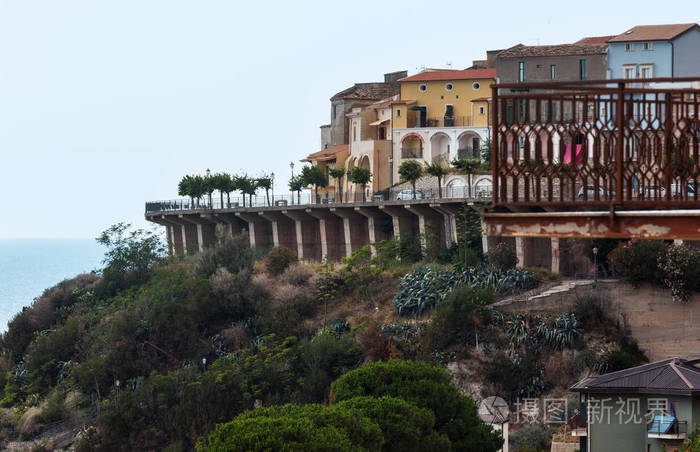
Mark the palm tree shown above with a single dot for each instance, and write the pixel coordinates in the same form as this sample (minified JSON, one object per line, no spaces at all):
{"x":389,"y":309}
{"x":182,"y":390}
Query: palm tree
{"x":184,"y":188}
{"x":248,"y":186}
{"x":314,"y":175}
{"x":265,"y":181}
{"x":240,"y":184}
{"x":362,"y":176}
{"x":228,"y":187}
{"x":221,"y":183}
{"x":411,"y":171}
{"x":296,"y":183}
{"x":468,"y":167}
{"x":197,"y":188}
{"x":436,"y":169}
{"x":337,"y":173}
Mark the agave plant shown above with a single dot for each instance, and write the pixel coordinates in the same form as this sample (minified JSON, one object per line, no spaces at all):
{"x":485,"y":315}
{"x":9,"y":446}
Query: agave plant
{"x":517,"y":329}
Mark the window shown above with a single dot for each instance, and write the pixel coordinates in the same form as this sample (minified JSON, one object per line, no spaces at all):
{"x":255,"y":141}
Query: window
{"x":629,"y":47}
{"x":476,"y":86}
{"x":583,"y":69}
{"x":475,"y":144}
{"x":382,"y":133}
{"x":354,"y":133}
{"x":647,"y":46}
{"x":521,"y":71}
{"x":481,"y":110}
{"x":422,"y":87}
{"x":629,"y":72}
{"x":646,"y":71}
{"x":553,"y":71}
{"x":448,"y":87}
{"x":398,"y":112}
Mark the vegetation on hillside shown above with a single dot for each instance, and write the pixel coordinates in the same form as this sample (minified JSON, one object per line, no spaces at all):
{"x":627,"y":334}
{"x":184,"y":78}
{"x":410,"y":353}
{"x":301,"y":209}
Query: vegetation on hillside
{"x":153,"y":353}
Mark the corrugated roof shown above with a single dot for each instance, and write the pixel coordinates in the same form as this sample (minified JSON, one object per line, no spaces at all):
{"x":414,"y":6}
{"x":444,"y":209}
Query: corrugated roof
{"x":521,"y":51}
{"x":451,"y":74}
{"x":326,"y":154}
{"x":670,"y":374}
{"x":652,"y":32}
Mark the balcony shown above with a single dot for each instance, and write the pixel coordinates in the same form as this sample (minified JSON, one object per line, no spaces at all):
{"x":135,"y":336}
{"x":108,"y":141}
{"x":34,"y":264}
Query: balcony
{"x":667,"y":427}
{"x":634,"y":148}
{"x":445,"y":121}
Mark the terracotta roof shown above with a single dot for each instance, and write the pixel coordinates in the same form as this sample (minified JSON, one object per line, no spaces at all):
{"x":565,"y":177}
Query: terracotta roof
{"x":652,"y":32}
{"x":451,"y":74}
{"x":326,"y":154}
{"x":383,"y":103}
{"x":482,"y":99}
{"x":367,"y":91}
{"x":521,"y":51}
{"x":403,"y":102}
{"x":674,"y":374}
{"x":594,"y":40}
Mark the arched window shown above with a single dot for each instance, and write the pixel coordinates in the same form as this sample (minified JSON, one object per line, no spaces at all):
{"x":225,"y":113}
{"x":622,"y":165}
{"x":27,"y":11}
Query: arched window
{"x":411,"y":147}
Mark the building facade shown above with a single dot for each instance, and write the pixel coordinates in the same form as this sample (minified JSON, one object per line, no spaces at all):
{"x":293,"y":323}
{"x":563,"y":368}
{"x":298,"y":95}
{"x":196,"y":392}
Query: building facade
{"x":441,"y":115}
{"x":649,"y":51}
{"x":582,"y":60}
{"x":648,"y":408}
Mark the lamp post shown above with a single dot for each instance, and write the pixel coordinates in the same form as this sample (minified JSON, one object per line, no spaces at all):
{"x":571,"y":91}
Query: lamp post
{"x":291,"y":165}
{"x":391,"y":175}
{"x":208,"y":172}
{"x":595,"y":267}
{"x":272,"y":176}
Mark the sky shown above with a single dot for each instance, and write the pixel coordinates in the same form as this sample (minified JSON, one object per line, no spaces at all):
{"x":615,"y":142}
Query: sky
{"x":106,"y":104}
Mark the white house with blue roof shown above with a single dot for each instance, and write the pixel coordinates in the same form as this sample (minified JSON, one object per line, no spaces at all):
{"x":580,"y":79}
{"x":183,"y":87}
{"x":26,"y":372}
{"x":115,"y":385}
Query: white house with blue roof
{"x":652,"y":51}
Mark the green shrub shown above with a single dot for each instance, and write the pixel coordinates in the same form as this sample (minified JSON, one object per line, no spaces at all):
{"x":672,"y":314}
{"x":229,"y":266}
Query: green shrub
{"x":326,"y":357}
{"x":502,"y":257}
{"x":426,"y":387}
{"x":680,"y":266}
{"x":232,"y":253}
{"x":454,"y":322}
{"x":517,"y":377}
{"x":628,"y":355}
{"x":48,"y":351}
{"x":638,"y":260}
{"x":405,"y":427}
{"x":296,"y":428}
{"x":529,"y":438}
{"x":279,"y":259}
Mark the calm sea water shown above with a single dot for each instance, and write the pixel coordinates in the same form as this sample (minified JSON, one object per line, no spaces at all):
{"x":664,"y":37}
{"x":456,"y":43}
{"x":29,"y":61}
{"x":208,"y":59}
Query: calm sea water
{"x":28,"y":266}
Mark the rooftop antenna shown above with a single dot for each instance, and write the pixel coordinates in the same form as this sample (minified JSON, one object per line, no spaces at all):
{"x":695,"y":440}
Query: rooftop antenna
{"x":448,"y":64}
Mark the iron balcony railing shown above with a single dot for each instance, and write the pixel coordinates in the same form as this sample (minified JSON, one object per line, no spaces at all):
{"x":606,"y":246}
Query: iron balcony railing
{"x":480,"y":192}
{"x":442,"y":121}
{"x":659,"y":428}
{"x":597,"y":143}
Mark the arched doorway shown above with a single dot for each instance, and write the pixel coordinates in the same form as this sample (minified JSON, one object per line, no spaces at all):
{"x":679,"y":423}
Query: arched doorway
{"x":440,"y":148}
{"x":468,"y":145}
{"x":411,"y":147}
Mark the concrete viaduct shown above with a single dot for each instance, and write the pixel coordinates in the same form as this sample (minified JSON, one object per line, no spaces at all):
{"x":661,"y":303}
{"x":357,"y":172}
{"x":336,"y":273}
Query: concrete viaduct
{"x":315,"y":232}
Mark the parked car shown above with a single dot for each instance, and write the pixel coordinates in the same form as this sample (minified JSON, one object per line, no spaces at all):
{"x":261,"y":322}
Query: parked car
{"x":677,"y":191}
{"x":590,"y":193}
{"x":408,"y":194}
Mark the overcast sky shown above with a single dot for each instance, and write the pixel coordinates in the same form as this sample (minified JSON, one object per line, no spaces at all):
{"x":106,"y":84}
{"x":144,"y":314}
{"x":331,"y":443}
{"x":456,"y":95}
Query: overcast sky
{"x":105,"y":104}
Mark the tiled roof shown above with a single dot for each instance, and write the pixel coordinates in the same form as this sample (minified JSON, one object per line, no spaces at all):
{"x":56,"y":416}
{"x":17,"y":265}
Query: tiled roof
{"x":652,"y":32}
{"x":326,"y":154}
{"x":367,"y":91}
{"x":521,"y":51}
{"x":671,"y":374}
{"x":384,"y":103}
{"x":482,"y":99}
{"x":451,"y":74}
{"x":594,"y":40}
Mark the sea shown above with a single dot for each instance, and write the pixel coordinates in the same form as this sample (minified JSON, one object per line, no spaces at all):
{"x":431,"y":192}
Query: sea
{"x":28,"y":266}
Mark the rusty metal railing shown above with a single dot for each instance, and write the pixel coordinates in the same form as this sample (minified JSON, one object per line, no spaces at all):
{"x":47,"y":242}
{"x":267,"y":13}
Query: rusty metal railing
{"x":597,"y":143}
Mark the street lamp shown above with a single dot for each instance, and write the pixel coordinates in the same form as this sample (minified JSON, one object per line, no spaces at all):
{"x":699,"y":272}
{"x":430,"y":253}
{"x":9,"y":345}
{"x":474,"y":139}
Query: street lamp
{"x":291,"y":165}
{"x":272,"y":176}
{"x":391,"y":175}
{"x":208,"y":172}
{"x":595,"y":267}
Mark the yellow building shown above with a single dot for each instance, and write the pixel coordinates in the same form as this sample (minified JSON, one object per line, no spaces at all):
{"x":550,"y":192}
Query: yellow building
{"x":328,"y":158}
{"x":442,"y":114}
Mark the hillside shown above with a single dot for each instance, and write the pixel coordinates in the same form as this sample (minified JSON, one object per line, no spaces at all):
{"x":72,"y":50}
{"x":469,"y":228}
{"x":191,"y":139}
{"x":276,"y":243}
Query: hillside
{"x":154,"y":352}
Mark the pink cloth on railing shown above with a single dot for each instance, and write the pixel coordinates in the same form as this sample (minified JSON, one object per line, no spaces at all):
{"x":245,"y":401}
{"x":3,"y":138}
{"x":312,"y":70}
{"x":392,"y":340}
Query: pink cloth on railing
{"x":579,"y":154}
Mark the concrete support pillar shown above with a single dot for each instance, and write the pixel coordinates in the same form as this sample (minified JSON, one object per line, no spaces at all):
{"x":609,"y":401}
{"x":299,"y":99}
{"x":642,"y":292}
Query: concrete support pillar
{"x":484,"y":238}
{"x":306,"y":233}
{"x":234,"y":224}
{"x":449,"y":224}
{"x":555,"y":254}
{"x":355,"y":228}
{"x":520,"y":251}
{"x":203,"y":234}
{"x":331,"y":233}
{"x":430,"y":222}
{"x":259,"y":230}
{"x":404,"y":222}
{"x":375,"y":218}
{"x":284,"y":231}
